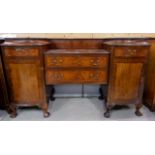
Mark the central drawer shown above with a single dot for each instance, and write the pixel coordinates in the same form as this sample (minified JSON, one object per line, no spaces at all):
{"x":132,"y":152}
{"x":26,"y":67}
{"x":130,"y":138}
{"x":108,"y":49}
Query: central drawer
{"x":84,"y":58}
{"x":76,"y":66}
{"x":80,"y":76}
{"x":76,"y":61}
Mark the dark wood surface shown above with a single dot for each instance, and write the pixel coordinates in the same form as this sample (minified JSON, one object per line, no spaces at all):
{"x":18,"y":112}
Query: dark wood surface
{"x":76,"y":43}
{"x":24,"y":68}
{"x":127,"y":72}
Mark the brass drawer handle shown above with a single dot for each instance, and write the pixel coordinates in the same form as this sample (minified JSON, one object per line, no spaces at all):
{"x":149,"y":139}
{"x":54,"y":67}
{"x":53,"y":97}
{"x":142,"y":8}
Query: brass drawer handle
{"x":95,"y":62}
{"x":94,"y":76}
{"x":57,"y":61}
{"x":58,"y":76}
{"x":131,"y":52}
{"x":20,"y":49}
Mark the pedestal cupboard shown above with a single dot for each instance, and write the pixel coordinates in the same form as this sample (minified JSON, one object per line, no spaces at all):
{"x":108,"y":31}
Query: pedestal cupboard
{"x":127,"y":71}
{"x":23,"y":62}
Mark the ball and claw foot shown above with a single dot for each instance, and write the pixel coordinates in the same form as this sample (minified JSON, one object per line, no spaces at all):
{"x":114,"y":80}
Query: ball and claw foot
{"x":107,"y":114}
{"x":46,"y":114}
{"x":138,"y":113}
{"x":13,"y":115}
{"x":12,"y":111}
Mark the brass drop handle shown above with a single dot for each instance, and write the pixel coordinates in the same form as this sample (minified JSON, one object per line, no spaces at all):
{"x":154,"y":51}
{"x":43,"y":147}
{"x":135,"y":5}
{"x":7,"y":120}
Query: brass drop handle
{"x":19,"y":49}
{"x":60,"y":60}
{"x":94,"y":76}
{"x":61,"y":75}
{"x":57,"y":60}
{"x":95,"y":62}
{"x":58,"y":76}
{"x":132,"y":52}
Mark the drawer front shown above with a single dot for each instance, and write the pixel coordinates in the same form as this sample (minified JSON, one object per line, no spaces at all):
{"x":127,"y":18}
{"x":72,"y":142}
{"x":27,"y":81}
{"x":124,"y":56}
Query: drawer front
{"x":21,"y":52}
{"x":76,"y":76}
{"x":76,"y":61}
{"x":130,"y":52}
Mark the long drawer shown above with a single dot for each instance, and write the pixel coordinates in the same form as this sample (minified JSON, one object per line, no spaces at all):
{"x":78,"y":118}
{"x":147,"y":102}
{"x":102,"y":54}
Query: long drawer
{"x":84,"y":58}
{"x":80,"y":76}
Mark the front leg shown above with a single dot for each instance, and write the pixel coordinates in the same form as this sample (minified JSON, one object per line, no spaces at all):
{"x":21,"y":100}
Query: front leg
{"x":12,"y":110}
{"x":139,"y":102}
{"x":107,"y":114}
{"x":44,"y":108}
{"x":138,"y":107}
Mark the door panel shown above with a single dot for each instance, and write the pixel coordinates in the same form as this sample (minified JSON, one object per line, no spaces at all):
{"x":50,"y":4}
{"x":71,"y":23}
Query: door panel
{"x":24,"y":81}
{"x":127,"y":80}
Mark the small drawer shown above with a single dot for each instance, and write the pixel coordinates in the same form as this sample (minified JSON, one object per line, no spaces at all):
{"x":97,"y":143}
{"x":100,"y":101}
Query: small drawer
{"x":21,"y":52}
{"x":76,"y":61}
{"x":76,"y":76}
{"x":130,"y":52}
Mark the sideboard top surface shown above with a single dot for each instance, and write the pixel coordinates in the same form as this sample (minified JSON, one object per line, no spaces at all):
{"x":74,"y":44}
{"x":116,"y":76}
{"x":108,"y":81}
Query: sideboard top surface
{"x":25,"y":42}
{"x":77,"y":51}
{"x":127,"y":43}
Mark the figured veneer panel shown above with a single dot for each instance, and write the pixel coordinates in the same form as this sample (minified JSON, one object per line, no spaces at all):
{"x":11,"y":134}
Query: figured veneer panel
{"x":25,"y":83}
{"x":125,"y":79}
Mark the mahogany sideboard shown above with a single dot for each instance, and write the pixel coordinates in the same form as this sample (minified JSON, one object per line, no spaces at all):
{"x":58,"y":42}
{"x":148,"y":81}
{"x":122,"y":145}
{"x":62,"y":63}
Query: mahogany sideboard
{"x":32,"y":64}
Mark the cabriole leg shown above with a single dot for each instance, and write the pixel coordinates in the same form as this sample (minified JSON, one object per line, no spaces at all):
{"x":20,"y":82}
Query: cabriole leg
{"x":107,"y":114}
{"x":45,"y":110}
{"x":12,"y":110}
{"x":138,"y":107}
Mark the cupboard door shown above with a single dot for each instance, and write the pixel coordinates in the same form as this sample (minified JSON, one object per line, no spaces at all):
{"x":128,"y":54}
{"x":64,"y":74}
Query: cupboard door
{"x":126,"y":81}
{"x":25,"y":81}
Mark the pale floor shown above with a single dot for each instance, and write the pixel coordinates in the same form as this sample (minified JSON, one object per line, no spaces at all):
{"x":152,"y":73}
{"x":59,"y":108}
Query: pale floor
{"x":78,"y":109}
